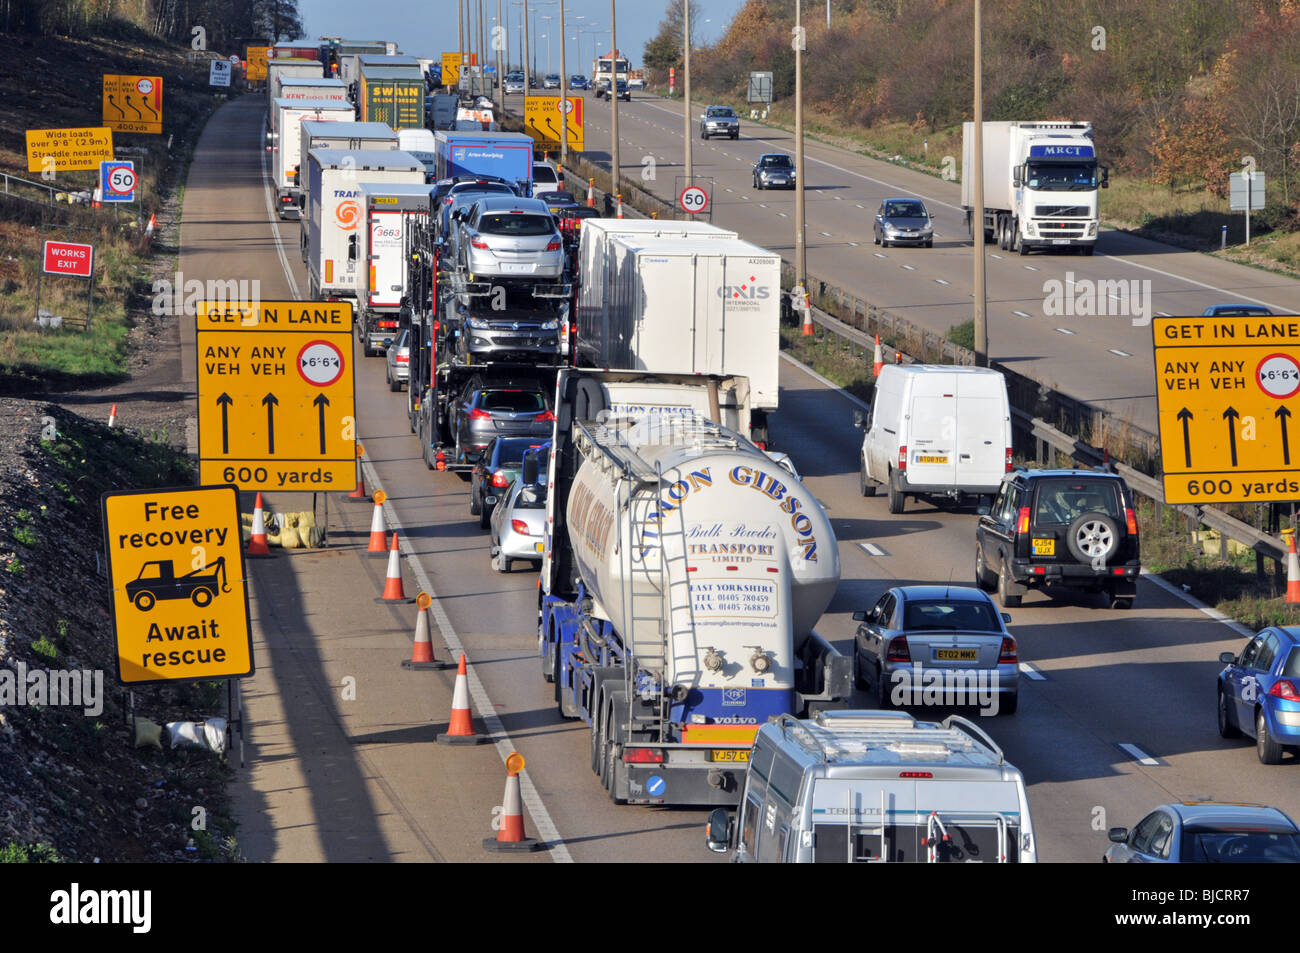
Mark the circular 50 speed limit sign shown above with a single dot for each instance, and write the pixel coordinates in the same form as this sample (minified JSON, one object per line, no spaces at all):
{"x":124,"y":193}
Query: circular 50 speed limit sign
{"x":693,"y":199}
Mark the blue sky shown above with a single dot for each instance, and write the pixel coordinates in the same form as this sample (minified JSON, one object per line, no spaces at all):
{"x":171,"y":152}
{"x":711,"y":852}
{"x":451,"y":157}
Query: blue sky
{"x":429,"y":28}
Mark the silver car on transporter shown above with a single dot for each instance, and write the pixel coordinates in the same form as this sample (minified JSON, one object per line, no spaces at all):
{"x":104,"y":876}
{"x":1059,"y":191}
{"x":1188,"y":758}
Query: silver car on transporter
{"x":872,"y":787}
{"x":505,"y":237}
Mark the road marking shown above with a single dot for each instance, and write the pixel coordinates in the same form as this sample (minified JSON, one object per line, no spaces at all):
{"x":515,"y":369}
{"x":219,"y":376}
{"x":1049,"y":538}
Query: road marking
{"x":762,"y":205}
{"x":782,"y":214}
{"x":1031,"y":673}
{"x":839,"y":198}
{"x":909,"y":267}
{"x":853,"y":244}
{"x":1066,"y":331}
{"x":860,"y":206}
{"x":1138,"y":755}
{"x":997,"y":256}
{"x":1030,"y":268}
{"x":745,"y":197}
{"x":879,"y":254}
{"x":871,"y":549}
{"x":1022,"y":314}
{"x":546,"y":829}
{"x":826,"y":234}
{"x":942,"y":281}
{"x":726,"y":190}
{"x":1118,"y":353}
{"x":274,"y":219}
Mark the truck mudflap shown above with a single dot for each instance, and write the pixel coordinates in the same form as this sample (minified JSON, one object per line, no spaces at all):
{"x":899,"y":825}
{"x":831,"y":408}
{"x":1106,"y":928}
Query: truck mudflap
{"x":825,"y":679}
{"x":679,"y":774}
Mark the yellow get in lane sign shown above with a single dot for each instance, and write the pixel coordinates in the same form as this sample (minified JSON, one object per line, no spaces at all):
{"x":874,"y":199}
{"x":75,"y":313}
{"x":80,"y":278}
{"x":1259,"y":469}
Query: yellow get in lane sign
{"x":68,"y":150}
{"x":542,"y":121}
{"x":176,"y":574}
{"x":1227,"y":389}
{"x":133,"y":103}
{"x":276,"y":395}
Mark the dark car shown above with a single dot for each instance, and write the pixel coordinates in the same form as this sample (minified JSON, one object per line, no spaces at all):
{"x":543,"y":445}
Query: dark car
{"x":903,"y":221}
{"x":490,"y":409}
{"x":499,"y":465}
{"x":1207,"y":832}
{"x":774,"y":170}
{"x":1236,"y":311}
{"x":1259,"y":693}
{"x":1059,"y":528}
{"x":602,"y":90}
{"x":559,"y":202}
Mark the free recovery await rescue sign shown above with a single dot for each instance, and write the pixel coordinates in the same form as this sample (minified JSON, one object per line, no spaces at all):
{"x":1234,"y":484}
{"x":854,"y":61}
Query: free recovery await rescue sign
{"x":176,"y":574}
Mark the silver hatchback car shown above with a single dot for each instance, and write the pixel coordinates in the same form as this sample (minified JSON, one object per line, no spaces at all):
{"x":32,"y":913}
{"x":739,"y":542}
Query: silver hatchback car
{"x":1207,"y":832}
{"x":518,"y":525}
{"x":511,"y":238}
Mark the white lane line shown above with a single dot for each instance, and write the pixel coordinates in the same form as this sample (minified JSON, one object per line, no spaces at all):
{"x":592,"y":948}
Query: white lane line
{"x":274,"y":219}
{"x":998,"y":257}
{"x":827,"y":382}
{"x":762,"y":205}
{"x":726,"y":190}
{"x":879,"y":254}
{"x":1066,"y":331}
{"x":853,"y":244}
{"x":1118,"y":353}
{"x":1022,"y":314}
{"x":839,"y":198}
{"x":1030,"y":268}
{"x":546,"y":829}
{"x":909,"y":267}
{"x":1031,"y":673}
{"x":782,"y":214}
{"x":745,"y":198}
{"x":826,"y":234}
{"x":1195,"y":603}
{"x":861,"y":206}
{"x":942,"y":281}
{"x":871,"y":549}
{"x":1138,"y":755}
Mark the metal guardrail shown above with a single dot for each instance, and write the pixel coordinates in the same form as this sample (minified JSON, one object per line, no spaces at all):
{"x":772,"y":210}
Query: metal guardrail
{"x":12,"y":181}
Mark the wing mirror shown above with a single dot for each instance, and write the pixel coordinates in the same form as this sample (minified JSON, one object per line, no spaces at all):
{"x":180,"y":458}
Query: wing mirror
{"x":719,"y":831}
{"x":860,"y":616}
{"x":859,"y":419}
{"x":1118,"y":834}
{"x":1227,"y":658}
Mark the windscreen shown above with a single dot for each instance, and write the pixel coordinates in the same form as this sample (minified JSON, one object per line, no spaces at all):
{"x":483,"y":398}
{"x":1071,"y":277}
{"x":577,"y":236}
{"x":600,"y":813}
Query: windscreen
{"x":777,"y":162}
{"x":511,"y":401}
{"x":905,"y":210}
{"x":511,"y":452}
{"x":522,"y":225}
{"x":1240,"y":847}
{"x":1062,"y":176}
{"x":965,"y":616}
{"x":1064,"y":501}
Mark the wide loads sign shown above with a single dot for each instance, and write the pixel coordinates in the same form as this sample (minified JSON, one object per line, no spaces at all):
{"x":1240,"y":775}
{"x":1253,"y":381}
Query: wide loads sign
{"x":176,"y":574}
{"x":68,"y":150}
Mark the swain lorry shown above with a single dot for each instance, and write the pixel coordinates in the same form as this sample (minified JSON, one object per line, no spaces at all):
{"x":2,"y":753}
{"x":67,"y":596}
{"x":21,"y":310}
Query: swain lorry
{"x":1040,"y":185}
{"x":285,"y":141}
{"x":333,"y":211}
{"x":702,"y":304}
{"x":390,"y":212}
{"x":390,"y":90}
{"x":683,"y":573}
{"x":507,"y":155}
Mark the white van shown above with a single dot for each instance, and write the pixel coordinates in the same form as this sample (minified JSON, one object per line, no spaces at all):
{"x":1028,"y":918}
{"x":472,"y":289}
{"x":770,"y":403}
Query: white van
{"x":936,"y":430}
{"x":877,"y":787}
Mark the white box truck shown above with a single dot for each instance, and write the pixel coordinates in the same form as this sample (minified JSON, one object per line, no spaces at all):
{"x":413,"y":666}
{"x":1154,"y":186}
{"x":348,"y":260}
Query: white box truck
{"x":1040,"y":185}
{"x":390,"y":210}
{"x":690,"y":306}
{"x":349,"y":136}
{"x":307,"y":87}
{"x":285,"y":144}
{"x":936,"y":431}
{"x":334,"y":212}
{"x":277,"y":69}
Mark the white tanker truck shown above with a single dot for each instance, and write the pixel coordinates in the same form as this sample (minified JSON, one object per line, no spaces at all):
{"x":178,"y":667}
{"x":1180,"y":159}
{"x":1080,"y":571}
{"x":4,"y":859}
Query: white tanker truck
{"x":683,"y":573}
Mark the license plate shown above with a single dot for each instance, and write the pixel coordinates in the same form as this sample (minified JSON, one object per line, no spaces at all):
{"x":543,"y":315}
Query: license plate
{"x":728,"y":754}
{"x":1060,"y":241}
{"x":1044,"y":547}
{"x":956,"y":655}
{"x":538,"y":546}
{"x":516,"y":268}
{"x":931,"y":459}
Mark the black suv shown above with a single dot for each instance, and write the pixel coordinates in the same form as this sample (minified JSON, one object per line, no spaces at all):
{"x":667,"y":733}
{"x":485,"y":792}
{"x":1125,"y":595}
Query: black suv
{"x":1047,"y":528}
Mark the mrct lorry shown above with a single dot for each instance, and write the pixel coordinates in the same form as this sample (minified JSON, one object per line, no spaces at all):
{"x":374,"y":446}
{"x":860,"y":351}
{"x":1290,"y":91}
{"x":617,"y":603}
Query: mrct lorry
{"x":683,"y":573}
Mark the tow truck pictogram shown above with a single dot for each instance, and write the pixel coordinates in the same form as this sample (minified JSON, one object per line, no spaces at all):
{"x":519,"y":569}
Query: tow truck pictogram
{"x":157,"y":580}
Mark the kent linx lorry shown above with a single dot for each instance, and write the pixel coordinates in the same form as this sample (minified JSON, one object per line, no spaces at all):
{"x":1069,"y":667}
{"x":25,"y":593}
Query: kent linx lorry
{"x":1040,"y":185}
{"x":507,"y":155}
{"x":682,"y":576}
{"x":287,"y":68}
{"x":334,"y":211}
{"x":286,"y":141}
{"x":390,"y":211}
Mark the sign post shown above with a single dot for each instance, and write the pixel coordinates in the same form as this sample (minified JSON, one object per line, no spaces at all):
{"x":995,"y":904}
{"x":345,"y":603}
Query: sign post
{"x":1246,"y":192}
{"x":176,"y":577}
{"x":1227,"y":388}
{"x":276,"y":395}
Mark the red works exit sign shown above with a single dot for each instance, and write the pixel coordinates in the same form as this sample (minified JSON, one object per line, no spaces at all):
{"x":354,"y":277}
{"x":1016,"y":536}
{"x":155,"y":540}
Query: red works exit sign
{"x":66,"y":258}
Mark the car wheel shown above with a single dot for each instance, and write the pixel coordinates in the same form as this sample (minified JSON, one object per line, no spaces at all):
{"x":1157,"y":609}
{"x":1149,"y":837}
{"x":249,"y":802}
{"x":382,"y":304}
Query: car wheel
{"x":1008,"y":704}
{"x":864,"y":482}
{"x":484,"y":517}
{"x":896,"y":498}
{"x":1005,"y":597}
{"x":883,"y":701}
{"x":875,"y":237}
{"x":982,"y":574}
{"x":395,"y":386}
{"x":500,"y":563}
{"x":1093,"y":538}
{"x":736,"y":136}
{"x":930,"y":243}
{"x":1269,"y":751}
{"x":1226,"y":727}
{"x":475,"y":508}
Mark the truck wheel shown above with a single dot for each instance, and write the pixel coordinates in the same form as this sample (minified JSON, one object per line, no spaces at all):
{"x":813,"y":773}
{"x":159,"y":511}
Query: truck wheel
{"x":1087,"y":250}
{"x":896,"y":498}
{"x":1006,"y":598}
{"x":144,"y":600}
{"x":201,"y":597}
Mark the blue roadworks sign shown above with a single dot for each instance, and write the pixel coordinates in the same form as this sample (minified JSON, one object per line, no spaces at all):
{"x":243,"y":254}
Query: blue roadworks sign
{"x":655,"y":785}
{"x":117,"y":181}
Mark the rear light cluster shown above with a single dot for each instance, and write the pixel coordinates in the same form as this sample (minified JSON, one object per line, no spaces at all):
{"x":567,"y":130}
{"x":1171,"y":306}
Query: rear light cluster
{"x":1131,"y":520}
{"x":1007,"y":654}
{"x":1022,"y":521}
{"x":402,"y":359}
{"x":499,"y":478}
{"x":545,"y":415}
{"x":1285,"y":690}
{"x":643,"y":755}
{"x":520,"y":527}
{"x":1008,"y":466}
{"x":902,"y":459}
{"x":898,"y":651}
{"x":916,"y":774}
{"x":479,"y":243}
{"x":553,"y":246}
{"x":477,"y":414}
{"x":385,"y":324}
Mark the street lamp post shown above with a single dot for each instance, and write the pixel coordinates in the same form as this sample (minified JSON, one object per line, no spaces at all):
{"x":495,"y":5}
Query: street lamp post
{"x":499,"y":41}
{"x":977,"y":200}
{"x":564,"y":89}
{"x":547,"y":37}
{"x":613,"y":98}
{"x":686,"y":94}
{"x":800,"y":229}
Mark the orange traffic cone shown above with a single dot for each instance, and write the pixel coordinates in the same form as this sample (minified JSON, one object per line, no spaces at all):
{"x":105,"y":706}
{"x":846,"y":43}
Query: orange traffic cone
{"x":257,"y":535}
{"x":620,"y":206}
{"x":112,"y":416}
{"x":510,"y":835}
{"x":898,"y":357}
{"x":1292,"y":568}
{"x":591,"y":193}
{"x":879,"y":362}
{"x":378,"y":538}
{"x":393,"y":591}
{"x":460,"y":730}
{"x":807,"y":330}
{"x":422,"y":649}
{"x":360,"y":492}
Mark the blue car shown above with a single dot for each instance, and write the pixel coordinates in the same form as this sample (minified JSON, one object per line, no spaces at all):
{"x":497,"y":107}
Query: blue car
{"x":577,"y":81}
{"x":1207,"y":832}
{"x":1259,"y":693}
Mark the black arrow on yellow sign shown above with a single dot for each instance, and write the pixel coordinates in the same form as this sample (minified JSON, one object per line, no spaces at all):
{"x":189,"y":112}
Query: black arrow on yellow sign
{"x":321,"y":403}
{"x":1230,"y":415}
{"x":270,"y":400}
{"x":1185,"y":415}
{"x":1282,"y":414}
{"x":225,"y":400}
